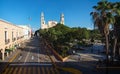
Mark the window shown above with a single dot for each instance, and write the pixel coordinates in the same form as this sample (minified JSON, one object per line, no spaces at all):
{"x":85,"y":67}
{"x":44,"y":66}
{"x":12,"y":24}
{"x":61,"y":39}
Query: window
{"x":5,"y":36}
{"x":13,"y":36}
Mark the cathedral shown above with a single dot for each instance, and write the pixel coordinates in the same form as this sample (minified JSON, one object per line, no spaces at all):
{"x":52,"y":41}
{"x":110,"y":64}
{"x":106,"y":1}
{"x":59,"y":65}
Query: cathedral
{"x":50,"y":23}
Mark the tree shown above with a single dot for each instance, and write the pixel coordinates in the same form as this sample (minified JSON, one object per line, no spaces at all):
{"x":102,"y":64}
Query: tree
{"x":116,"y":11}
{"x":95,"y":34}
{"x":103,"y":17}
{"x":85,"y":33}
{"x":62,"y":37}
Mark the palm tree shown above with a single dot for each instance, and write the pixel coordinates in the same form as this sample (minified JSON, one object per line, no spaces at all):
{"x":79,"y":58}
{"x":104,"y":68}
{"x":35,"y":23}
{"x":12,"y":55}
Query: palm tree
{"x":116,"y":10}
{"x":103,"y":18}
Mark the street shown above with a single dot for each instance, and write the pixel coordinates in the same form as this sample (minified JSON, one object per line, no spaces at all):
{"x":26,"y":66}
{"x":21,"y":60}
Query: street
{"x":32,"y":52}
{"x":33,"y":58}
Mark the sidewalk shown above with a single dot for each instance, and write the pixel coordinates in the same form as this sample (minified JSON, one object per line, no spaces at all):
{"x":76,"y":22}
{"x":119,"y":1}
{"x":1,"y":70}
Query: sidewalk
{"x":13,"y":53}
{"x":86,"y":58}
{"x":89,"y":54}
{"x":10,"y":56}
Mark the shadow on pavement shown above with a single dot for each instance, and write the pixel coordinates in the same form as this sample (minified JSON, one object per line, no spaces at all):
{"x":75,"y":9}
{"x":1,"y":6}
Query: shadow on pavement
{"x":86,"y":67}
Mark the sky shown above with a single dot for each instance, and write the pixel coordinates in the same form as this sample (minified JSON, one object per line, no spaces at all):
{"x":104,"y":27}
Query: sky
{"x":27,"y":12}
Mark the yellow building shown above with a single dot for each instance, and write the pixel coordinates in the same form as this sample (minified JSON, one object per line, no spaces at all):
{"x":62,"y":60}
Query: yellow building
{"x":11,"y":36}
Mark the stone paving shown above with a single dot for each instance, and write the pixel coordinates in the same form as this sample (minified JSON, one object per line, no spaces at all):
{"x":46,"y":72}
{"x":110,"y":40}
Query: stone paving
{"x":86,"y":58}
{"x":87,"y":54}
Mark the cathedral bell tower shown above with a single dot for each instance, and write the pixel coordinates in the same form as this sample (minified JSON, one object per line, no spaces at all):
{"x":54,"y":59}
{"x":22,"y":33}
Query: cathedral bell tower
{"x":62,"y":19}
{"x":42,"y":21}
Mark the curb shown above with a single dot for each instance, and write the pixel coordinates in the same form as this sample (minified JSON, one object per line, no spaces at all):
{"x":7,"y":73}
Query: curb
{"x":11,"y":59}
{"x":14,"y":57}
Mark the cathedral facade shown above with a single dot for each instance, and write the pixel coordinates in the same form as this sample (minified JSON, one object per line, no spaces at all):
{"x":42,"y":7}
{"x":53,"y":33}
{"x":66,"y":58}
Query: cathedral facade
{"x":50,"y":23}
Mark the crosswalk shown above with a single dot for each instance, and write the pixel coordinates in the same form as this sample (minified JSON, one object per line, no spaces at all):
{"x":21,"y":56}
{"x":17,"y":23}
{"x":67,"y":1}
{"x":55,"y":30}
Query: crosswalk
{"x":86,"y":64}
{"x":32,"y":69}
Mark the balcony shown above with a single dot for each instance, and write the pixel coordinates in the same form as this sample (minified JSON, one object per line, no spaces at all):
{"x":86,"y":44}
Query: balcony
{"x":22,"y":37}
{"x":18,"y":38}
{"x":7,"y":41}
{"x":13,"y":39}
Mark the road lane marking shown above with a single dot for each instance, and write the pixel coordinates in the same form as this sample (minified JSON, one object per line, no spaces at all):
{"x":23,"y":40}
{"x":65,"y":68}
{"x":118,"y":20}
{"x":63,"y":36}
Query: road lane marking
{"x":11,"y":69}
{"x":52,"y":70}
{"x":38,"y":70}
{"x":19,"y":71}
{"x":20,"y":58}
{"x":27,"y":55}
{"x":23,"y":64}
{"x":6,"y":70}
{"x":25,"y":70}
{"x":43,"y":70}
{"x":71,"y":70}
{"x":29,"y":69}
{"x":32,"y":58}
{"x":48,"y":71}
{"x":34,"y":70}
{"x":57,"y":72}
{"x":15,"y":70}
{"x":13,"y":58}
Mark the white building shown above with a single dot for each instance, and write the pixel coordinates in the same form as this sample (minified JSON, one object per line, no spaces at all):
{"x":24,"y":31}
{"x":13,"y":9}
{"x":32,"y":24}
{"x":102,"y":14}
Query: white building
{"x":50,"y":23}
{"x":62,"y":18}
{"x":27,"y":31}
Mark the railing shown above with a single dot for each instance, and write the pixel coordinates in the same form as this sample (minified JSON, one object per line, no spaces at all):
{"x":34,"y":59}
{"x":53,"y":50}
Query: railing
{"x":7,"y":41}
{"x":20,"y":37}
{"x":13,"y":39}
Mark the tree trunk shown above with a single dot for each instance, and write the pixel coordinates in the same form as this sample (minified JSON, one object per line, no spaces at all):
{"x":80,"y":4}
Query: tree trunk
{"x":107,"y":51}
{"x":114,"y":47}
{"x":107,"y":45}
